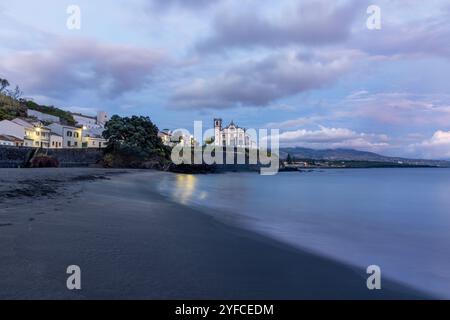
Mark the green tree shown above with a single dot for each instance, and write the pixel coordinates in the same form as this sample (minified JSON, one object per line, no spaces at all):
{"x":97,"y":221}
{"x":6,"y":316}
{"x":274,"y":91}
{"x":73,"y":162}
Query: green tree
{"x":11,"y":108}
{"x":65,"y":116}
{"x":15,"y":94}
{"x":289,"y":159}
{"x":3,"y":84}
{"x":134,"y":137}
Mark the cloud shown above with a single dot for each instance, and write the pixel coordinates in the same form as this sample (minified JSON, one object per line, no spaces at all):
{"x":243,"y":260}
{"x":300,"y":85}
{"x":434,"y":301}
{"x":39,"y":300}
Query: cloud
{"x":326,"y":137}
{"x":73,"y":64}
{"x":258,"y":83}
{"x":398,"y":108}
{"x":437,"y":147}
{"x":295,"y":123}
{"x":189,"y":4}
{"x":311,"y":23}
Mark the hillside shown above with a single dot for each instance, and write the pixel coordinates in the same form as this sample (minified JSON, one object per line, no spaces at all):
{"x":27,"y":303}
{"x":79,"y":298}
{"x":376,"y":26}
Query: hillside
{"x":354,"y":155}
{"x":11,"y":108}
{"x":65,"y":116}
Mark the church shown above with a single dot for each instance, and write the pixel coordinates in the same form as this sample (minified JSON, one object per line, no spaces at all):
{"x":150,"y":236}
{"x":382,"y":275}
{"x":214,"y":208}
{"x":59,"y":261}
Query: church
{"x":231,"y":135}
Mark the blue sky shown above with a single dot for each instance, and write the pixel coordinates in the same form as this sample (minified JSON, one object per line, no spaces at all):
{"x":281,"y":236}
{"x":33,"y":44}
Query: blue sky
{"x":310,"y":68}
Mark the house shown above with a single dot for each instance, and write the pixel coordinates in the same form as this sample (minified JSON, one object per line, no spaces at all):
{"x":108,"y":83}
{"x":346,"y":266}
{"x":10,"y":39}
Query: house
{"x":72,"y":137}
{"x":10,"y":128}
{"x":93,"y":141}
{"x":166,"y":137}
{"x":6,"y":140}
{"x":231,"y":135}
{"x":91,"y":122}
{"x":32,"y":132}
{"x":56,"y":140}
{"x":181,"y":137}
{"x":35,"y":131}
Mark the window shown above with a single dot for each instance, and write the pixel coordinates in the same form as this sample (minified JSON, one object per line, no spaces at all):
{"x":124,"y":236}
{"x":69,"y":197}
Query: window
{"x":69,"y":133}
{"x":75,"y":144}
{"x":36,"y":143}
{"x":38,"y":133}
{"x":69,"y":144}
{"x":76,"y":135}
{"x":53,"y":143}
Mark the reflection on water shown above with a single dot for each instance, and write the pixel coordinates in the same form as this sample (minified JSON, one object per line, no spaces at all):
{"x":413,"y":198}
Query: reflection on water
{"x":185,"y":189}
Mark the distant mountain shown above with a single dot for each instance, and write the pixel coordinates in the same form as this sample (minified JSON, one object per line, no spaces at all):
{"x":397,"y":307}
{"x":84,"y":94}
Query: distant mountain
{"x":353,"y":155}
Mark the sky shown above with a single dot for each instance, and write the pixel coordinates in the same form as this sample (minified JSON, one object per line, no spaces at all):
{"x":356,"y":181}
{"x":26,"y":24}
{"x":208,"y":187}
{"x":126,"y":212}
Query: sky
{"x":310,"y":68}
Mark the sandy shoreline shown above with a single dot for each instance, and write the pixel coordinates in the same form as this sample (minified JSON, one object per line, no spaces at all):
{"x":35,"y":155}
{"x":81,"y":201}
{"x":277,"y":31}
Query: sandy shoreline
{"x":131,"y":242}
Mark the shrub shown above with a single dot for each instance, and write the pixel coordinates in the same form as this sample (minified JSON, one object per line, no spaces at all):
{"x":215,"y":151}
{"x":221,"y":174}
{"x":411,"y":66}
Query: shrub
{"x":44,"y":162}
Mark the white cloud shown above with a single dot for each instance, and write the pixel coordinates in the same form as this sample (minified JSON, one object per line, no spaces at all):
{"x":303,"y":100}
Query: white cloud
{"x":397,"y":108}
{"x":295,"y":123}
{"x":326,"y":137}
{"x":437,"y":147}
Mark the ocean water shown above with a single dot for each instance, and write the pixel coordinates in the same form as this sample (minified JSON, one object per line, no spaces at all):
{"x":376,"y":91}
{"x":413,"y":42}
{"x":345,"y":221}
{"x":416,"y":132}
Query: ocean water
{"x":398,"y":219}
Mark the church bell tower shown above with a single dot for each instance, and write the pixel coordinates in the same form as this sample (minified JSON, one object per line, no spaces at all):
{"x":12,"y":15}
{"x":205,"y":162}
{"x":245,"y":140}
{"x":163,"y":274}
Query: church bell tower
{"x":217,"y":130}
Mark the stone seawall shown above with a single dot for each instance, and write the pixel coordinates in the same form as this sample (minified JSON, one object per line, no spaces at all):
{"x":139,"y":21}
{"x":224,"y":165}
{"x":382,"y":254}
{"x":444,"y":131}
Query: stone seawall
{"x":17,"y":157}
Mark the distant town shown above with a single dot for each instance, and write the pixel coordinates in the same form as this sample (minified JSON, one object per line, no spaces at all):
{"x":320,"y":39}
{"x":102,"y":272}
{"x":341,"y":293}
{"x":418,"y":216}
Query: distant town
{"x":40,"y":130}
{"x":224,"y":136}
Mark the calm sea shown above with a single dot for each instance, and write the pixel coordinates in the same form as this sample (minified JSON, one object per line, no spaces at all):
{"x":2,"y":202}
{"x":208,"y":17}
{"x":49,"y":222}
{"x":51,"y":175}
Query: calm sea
{"x":398,"y":219}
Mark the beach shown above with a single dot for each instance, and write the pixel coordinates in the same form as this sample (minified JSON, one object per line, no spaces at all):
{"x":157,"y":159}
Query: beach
{"x":134,"y":243}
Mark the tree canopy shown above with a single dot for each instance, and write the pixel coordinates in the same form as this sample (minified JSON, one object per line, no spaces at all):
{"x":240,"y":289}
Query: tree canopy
{"x":133,"y":136}
{"x":3,"y":84}
{"x":65,"y":116}
{"x":289,"y":159}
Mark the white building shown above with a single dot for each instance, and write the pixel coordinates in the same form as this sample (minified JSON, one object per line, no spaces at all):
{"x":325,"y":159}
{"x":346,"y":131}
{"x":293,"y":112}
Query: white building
{"x":167,"y":137}
{"x":33,"y":133}
{"x":231,"y":135}
{"x":10,"y":128}
{"x":6,"y":140}
{"x":91,"y":140}
{"x":56,"y":141}
{"x":102,"y":118}
{"x":91,"y":122}
{"x":76,"y":137}
{"x":72,"y":137}
{"x":42,"y":116}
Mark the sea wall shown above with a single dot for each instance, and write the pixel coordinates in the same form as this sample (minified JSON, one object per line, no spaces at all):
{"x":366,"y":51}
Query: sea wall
{"x":14,"y":157}
{"x":18,"y":157}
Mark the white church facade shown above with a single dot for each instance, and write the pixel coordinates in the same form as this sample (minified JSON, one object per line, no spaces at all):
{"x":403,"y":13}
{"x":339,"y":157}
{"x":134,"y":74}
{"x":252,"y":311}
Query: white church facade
{"x":231,"y":136}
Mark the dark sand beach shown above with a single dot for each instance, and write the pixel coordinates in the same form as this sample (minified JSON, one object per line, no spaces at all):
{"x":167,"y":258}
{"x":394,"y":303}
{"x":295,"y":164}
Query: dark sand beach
{"x":132,"y":243}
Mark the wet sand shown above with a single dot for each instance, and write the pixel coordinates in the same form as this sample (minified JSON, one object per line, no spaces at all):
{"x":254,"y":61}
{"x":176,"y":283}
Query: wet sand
{"x":132,"y":243}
